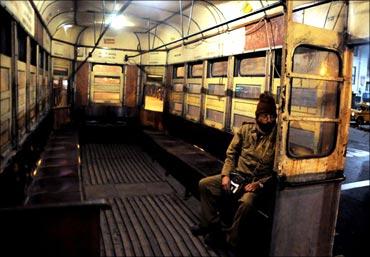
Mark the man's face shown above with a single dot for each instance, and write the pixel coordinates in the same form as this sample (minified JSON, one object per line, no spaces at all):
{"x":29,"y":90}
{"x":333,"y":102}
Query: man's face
{"x":266,"y":121}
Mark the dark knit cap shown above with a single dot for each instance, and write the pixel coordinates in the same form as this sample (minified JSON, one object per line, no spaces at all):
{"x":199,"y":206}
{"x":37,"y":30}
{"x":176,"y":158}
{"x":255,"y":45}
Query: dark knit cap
{"x":266,"y":104}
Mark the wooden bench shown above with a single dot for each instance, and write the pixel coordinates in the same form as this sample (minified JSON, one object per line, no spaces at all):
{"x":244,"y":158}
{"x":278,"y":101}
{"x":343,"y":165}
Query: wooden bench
{"x":55,"y":220}
{"x":189,"y":164}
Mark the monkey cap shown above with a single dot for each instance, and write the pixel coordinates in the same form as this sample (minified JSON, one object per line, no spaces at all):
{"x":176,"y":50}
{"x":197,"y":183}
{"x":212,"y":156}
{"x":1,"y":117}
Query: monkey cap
{"x":266,"y":104}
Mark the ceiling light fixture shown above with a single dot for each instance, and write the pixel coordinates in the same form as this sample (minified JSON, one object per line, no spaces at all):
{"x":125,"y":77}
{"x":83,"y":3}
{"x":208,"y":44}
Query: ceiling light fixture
{"x":67,"y":26}
{"x":119,"y":21}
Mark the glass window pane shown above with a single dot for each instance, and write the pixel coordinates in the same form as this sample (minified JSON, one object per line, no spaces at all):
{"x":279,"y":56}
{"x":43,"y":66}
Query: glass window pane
{"x":313,"y":61}
{"x":193,"y":111}
{"x":196,"y":71}
{"x":194,"y":88}
{"x":179,"y":72}
{"x":315,"y":98}
{"x":108,"y":80}
{"x":154,"y":96}
{"x":219,"y":69}
{"x":177,"y":97}
{"x":214,"y":115}
{"x":247,"y":91}
{"x":252,"y":66}
{"x":178,"y":87}
{"x":176,"y":107}
{"x":216,"y":89}
{"x":239,"y":119}
{"x":311,"y":138}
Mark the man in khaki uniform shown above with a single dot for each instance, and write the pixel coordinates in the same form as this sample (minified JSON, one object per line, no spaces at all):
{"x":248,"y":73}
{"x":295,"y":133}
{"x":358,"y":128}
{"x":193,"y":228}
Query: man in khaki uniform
{"x":251,"y":152}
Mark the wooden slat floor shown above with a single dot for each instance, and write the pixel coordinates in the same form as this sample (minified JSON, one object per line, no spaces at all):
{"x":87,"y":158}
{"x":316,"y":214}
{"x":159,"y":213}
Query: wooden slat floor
{"x":149,"y":216}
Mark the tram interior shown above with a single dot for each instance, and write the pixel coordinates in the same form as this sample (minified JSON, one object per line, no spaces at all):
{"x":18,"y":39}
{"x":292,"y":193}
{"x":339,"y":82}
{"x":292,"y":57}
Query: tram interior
{"x":112,"y":111}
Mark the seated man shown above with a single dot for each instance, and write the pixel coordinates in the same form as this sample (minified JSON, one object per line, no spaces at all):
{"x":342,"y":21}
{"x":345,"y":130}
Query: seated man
{"x":251,"y":152}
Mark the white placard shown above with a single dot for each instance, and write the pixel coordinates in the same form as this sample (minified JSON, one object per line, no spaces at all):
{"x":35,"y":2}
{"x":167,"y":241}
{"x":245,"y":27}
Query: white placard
{"x":23,"y":12}
{"x":60,"y":49}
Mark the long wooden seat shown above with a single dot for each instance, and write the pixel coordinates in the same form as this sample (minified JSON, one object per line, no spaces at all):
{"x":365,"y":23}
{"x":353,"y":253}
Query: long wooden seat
{"x":56,"y":219}
{"x":188,"y":163}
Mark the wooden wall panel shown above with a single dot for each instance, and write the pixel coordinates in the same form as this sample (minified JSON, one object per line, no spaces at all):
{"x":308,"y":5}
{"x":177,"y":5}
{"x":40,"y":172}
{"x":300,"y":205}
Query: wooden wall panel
{"x":131,"y":86}
{"x":82,"y":85}
{"x":256,"y":36}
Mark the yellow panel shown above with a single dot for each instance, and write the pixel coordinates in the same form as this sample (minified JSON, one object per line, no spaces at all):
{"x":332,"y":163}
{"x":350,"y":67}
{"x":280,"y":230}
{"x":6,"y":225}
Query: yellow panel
{"x":215,"y":81}
{"x":4,"y":83}
{"x":315,"y":36}
{"x":21,"y":79}
{"x":107,"y":80}
{"x":249,"y":80}
{"x":193,"y":99}
{"x":5,"y":105}
{"x":177,"y":97}
{"x":21,"y":66}
{"x":106,"y":97}
{"x":107,"y":69}
{"x":106,"y":88}
{"x":245,"y":108}
{"x":216,"y":103}
{"x":153,"y":104}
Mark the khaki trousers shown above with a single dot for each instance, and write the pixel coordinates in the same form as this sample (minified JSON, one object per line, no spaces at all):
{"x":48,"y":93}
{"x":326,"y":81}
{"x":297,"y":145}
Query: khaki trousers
{"x":210,"y":196}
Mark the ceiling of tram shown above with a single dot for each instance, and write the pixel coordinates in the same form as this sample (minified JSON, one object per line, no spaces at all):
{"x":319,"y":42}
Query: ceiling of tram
{"x":164,"y":20}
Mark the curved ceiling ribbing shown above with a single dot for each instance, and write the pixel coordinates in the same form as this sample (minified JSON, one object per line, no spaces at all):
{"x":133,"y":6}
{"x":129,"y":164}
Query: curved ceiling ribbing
{"x":165,"y":21}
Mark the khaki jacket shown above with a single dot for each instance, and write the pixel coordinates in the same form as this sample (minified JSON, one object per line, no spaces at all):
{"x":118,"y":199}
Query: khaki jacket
{"x":251,"y":155}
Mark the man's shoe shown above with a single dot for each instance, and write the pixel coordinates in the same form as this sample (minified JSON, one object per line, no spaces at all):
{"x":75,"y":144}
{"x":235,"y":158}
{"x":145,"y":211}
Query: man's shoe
{"x":198,"y":230}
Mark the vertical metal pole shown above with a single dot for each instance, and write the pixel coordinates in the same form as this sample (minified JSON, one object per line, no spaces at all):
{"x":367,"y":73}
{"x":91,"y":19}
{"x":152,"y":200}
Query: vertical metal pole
{"x":14,"y":85}
{"x":229,"y":91}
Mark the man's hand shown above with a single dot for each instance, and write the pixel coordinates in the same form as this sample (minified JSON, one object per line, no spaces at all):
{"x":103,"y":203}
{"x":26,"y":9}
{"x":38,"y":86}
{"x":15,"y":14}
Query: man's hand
{"x":252,"y":187}
{"x":225,"y":183}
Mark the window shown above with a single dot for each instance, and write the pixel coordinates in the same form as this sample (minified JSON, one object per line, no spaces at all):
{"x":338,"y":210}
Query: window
{"x":178,"y":87}
{"x":193,"y":111}
{"x":154,"y":96}
{"x":196,"y":70}
{"x":194,"y":88}
{"x":33,"y":52}
{"x":179,"y":72}
{"x":108,"y":80}
{"x":239,"y":119}
{"x":5,"y":34}
{"x":41,"y":58}
{"x":214,"y":115}
{"x":217,"y":69}
{"x":316,"y":99}
{"x":46,"y":61}
{"x":247,"y":91}
{"x":216,"y":89}
{"x":314,"y":61}
{"x":353,"y":75}
{"x":252,"y":66}
{"x":22,"y":44}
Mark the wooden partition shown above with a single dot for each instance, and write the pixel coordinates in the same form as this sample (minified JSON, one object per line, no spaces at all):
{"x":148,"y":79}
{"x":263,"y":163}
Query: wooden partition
{"x":106,"y":84}
{"x":21,"y":101}
{"x":5,"y":104}
{"x":176,"y":99}
{"x":215,"y":99}
{"x":32,"y":100}
{"x":194,"y":90}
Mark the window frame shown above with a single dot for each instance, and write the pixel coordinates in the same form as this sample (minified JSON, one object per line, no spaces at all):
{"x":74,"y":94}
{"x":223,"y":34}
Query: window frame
{"x":210,"y":65}
{"x":292,"y":118}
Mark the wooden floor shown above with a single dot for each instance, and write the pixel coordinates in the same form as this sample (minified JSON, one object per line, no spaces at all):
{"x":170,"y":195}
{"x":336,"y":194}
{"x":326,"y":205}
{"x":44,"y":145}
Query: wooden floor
{"x":149,"y":216}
